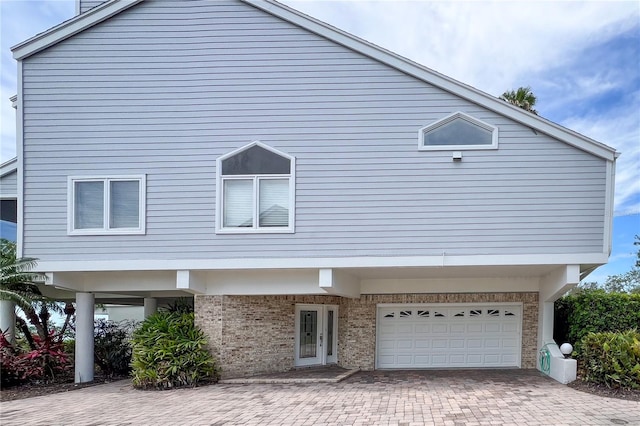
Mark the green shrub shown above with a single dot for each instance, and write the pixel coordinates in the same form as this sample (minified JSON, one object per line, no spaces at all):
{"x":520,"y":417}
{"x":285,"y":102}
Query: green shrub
{"x":112,"y":349}
{"x":170,"y":351}
{"x":594,"y":311}
{"x":612,"y":359}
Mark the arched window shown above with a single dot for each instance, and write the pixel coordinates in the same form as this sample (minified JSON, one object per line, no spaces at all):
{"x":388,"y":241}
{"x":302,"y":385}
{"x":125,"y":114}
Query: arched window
{"x":255,"y":190}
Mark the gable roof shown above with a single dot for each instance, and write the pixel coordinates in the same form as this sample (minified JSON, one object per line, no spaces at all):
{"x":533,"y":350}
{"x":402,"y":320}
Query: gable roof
{"x":113,"y":7}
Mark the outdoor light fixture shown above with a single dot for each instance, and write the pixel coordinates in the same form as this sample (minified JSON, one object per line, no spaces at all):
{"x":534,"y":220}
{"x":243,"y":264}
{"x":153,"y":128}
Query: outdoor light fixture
{"x":566,"y":349}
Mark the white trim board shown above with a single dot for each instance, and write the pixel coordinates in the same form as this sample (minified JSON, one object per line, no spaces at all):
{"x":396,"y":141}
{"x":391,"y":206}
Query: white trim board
{"x":335,"y":262}
{"x":8,"y":167}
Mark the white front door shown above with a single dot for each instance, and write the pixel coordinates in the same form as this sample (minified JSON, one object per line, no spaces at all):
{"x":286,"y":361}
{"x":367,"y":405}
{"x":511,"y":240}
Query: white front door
{"x":316,"y":334}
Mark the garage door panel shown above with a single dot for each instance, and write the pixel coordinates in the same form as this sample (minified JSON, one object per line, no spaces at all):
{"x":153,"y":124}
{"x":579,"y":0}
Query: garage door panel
{"x":422,"y":328}
{"x":492,"y":328}
{"x":440,"y":337}
{"x":491,"y":343}
{"x":457,"y":328}
{"x":404,"y":344}
{"x":405,"y":359}
{"x":440,"y":328}
{"x":509,"y":327}
{"x":457,"y":343}
{"x":440,"y":344}
{"x":474,"y":328}
{"x":422,"y":344}
{"x":386,"y":344}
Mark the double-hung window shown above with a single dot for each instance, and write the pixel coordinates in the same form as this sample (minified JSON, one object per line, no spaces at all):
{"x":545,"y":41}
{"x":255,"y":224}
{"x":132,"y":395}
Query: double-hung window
{"x":255,"y":191}
{"x":107,"y":205}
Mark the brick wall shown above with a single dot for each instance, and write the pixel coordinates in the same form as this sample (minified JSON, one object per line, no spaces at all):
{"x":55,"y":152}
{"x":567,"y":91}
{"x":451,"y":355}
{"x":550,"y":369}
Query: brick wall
{"x":255,"y":334}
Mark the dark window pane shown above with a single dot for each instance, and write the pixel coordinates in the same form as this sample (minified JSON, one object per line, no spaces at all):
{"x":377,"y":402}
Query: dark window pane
{"x":10,"y":210}
{"x":458,"y":132}
{"x":308,"y":334}
{"x":256,"y":161}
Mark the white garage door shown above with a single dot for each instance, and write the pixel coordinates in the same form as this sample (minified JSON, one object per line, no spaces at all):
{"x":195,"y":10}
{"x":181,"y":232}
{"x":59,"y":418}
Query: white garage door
{"x":443,"y":336}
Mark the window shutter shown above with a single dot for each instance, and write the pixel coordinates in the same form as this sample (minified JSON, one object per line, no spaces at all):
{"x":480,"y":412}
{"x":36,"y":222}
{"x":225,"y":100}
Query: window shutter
{"x":124,"y":204}
{"x":274,"y":202}
{"x":89,"y":205}
{"x":238,"y":203}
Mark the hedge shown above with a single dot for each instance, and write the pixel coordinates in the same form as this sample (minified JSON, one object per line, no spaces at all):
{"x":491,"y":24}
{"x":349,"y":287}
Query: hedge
{"x":612,"y":359}
{"x":594,"y":311}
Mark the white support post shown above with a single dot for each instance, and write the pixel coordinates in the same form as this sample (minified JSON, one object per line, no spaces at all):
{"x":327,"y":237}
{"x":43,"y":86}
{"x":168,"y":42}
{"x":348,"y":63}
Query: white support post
{"x":8,"y":319}
{"x":150,"y":306}
{"x":84,"y":367}
{"x":550,"y":360}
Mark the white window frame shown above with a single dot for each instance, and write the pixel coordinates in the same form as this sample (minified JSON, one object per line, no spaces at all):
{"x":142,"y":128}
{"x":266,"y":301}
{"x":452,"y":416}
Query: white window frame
{"x":449,"y":119}
{"x":255,"y":229}
{"x":105,"y":230}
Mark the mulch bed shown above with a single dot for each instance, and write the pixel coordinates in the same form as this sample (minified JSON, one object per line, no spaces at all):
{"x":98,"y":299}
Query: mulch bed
{"x":602,"y":390}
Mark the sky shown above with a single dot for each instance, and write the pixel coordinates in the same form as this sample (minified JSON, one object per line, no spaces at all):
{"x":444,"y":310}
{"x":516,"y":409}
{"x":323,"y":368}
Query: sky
{"x":580,"y":58}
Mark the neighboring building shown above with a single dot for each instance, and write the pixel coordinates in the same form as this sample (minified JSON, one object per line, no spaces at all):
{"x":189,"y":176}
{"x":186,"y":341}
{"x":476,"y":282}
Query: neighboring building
{"x":9,"y":199}
{"x":323,"y":199}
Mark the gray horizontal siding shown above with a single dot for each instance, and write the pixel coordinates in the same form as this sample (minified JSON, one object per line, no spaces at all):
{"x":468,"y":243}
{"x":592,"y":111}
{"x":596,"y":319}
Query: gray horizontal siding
{"x":165,"y":88}
{"x":9,"y":184}
{"x":88,"y":4}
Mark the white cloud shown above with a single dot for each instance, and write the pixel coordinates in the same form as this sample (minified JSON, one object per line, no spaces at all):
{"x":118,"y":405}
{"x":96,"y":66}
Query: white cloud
{"x":489,"y":45}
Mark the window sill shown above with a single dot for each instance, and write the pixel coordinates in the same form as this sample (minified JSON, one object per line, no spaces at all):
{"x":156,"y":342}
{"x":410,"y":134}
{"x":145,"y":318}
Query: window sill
{"x":255,"y":231}
{"x":106,"y":232}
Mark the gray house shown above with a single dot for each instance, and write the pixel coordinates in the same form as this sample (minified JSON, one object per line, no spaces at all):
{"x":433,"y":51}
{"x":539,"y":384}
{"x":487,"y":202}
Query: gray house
{"x":323,"y":200}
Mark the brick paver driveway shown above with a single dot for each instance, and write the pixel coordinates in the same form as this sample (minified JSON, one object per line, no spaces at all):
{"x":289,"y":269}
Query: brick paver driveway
{"x":498,"y":397}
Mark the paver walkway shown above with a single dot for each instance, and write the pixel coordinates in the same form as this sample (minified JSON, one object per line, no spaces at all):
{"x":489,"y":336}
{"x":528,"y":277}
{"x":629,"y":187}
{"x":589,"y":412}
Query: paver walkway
{"x":480,"y":397}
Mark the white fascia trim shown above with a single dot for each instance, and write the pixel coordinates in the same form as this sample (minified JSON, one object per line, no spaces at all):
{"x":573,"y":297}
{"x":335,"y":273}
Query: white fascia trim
{"x":9,"y":167}
{"x":70,"y":27}
{"x":320,"y":263}
{"x":20,"y":163}
{"x":609,"y":206}
{"x":426,"y":74}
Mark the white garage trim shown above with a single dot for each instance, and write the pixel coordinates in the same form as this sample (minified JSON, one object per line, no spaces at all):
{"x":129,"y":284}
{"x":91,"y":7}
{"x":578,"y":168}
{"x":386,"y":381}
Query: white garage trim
{"x":448,"y":335}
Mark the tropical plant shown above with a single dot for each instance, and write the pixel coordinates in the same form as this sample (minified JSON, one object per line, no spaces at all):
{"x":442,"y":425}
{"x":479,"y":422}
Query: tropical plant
{"x":170,"y":351}
{"x":17,"y":283}
{"x":44,"y":357}
{"x":112,"y":347}
{"x":612,"y":359}
{"x":522,"y":97}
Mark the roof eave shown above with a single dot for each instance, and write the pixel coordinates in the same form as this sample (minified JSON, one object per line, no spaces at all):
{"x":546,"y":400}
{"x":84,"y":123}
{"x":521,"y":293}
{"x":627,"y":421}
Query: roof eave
{"x":433,"y":77}
{"x":70,"y":27}
{"x":9,"y":166}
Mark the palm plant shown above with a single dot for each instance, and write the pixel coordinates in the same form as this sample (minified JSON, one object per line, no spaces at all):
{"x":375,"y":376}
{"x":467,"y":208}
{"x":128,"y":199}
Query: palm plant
{"x":19,"y":284}
{"x":522,"y":97}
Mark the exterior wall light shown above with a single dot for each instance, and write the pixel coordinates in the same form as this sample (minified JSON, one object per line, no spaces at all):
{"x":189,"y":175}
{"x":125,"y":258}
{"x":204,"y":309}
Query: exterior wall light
{"x":566,"y":349}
